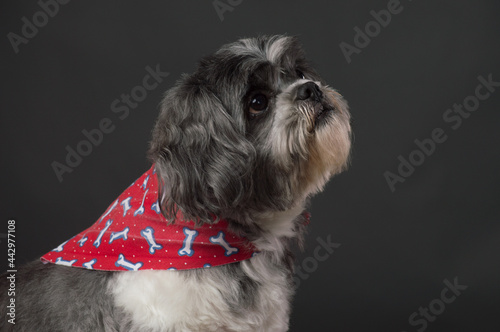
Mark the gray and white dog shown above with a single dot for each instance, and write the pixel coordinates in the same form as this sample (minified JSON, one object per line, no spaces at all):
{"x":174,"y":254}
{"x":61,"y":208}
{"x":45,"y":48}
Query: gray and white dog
{"x":249,"y":137}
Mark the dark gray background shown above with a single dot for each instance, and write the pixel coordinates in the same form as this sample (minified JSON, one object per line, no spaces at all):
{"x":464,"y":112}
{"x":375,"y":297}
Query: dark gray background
{"x":396,"y":247}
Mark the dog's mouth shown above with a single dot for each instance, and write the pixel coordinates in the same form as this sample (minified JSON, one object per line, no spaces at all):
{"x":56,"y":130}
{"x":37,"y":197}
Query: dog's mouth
{"x":321,"y":111}
{"x":319,"y":114}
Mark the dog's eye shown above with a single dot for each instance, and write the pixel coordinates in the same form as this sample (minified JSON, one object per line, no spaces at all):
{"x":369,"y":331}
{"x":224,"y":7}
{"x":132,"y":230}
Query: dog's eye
{"x":300,"y":74}
{"x":258,"y":103}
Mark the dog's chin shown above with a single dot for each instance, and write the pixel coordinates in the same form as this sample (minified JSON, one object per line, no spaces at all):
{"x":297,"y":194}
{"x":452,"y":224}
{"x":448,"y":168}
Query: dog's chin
{"x":310,"y":140}
{"x":319,"y":115}
{"x":330,"y":143}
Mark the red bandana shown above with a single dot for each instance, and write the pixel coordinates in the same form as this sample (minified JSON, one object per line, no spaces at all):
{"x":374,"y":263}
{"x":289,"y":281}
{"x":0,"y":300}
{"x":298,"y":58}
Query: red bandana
{"x":133,"y":235}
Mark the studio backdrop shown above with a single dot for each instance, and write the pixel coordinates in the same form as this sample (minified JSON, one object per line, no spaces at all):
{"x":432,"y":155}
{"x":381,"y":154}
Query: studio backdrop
{"x":407,"y":239}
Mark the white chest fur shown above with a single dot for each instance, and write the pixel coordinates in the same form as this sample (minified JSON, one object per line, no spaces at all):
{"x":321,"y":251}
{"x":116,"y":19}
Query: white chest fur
{"x":179,"y":301}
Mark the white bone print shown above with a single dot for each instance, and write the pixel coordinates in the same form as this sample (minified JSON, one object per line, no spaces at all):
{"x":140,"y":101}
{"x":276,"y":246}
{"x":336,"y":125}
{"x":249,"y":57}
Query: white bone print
{"x":220,"y":240}
{"x":97,"y":241}
{"x":122,"y":262}
{"x":187,"y":249}
{"x":140,"y":210}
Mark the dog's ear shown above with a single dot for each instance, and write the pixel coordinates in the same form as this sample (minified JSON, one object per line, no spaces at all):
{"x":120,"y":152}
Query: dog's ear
{"x":203,"y":160}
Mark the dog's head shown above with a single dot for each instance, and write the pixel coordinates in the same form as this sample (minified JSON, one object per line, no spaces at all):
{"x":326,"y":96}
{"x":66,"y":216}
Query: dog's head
{"x":254,"y":129}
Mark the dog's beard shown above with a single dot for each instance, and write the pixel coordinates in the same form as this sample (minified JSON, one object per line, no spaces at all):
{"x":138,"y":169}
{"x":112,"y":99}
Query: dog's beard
{"x":311,"y":138}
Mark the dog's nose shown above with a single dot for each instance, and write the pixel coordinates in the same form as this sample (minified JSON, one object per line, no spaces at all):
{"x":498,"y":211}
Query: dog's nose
{"x":309,"y":90}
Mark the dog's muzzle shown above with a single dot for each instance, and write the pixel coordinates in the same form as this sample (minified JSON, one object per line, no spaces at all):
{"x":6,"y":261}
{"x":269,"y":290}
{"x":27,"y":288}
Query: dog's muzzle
{"x":311,"y":93}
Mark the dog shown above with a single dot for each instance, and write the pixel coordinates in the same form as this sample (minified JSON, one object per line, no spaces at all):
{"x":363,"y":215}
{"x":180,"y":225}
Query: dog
{"x":238,"y":149}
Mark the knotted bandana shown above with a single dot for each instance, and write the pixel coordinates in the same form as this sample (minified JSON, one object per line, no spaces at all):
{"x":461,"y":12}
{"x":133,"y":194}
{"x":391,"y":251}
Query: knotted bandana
{"x":132,"y":234}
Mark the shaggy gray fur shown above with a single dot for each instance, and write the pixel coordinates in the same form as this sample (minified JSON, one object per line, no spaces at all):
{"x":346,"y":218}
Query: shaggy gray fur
{"x":52,"y":298}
